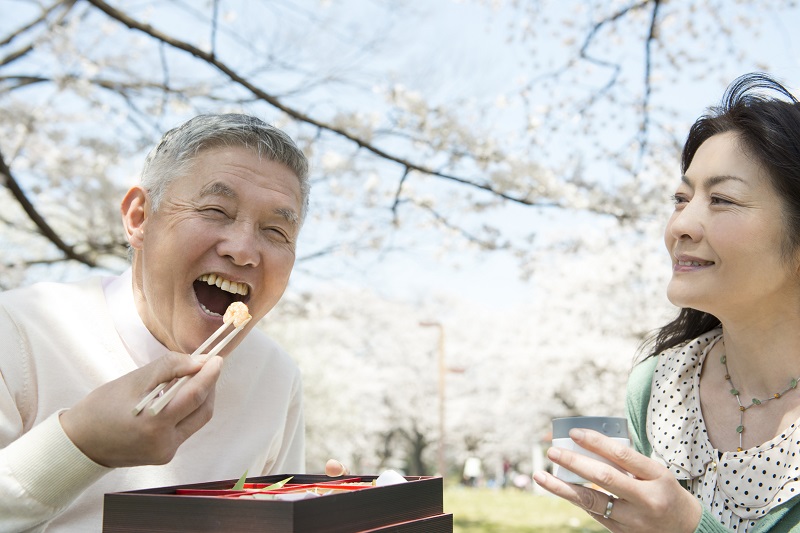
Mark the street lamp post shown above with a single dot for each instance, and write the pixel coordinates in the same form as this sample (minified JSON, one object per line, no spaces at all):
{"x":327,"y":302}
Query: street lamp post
{"x":442,"y":370}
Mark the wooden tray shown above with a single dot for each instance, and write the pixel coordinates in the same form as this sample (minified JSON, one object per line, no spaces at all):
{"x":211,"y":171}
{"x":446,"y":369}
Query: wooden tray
{"x":412,"y":507}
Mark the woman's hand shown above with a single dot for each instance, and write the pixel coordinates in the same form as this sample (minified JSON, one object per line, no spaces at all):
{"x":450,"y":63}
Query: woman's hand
{"x":651,"y":501}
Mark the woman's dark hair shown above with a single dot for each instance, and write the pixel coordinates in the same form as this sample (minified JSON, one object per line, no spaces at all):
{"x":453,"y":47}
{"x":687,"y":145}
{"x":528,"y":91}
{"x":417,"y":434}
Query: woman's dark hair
{"x":768,"y":128}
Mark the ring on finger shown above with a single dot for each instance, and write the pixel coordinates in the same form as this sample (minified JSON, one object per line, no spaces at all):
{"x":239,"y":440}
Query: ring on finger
{"x":609,"y":507}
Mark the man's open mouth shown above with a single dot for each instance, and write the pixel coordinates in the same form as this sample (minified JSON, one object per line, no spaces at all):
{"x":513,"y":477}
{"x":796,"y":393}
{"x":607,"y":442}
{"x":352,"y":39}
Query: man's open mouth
{"x":216,"y":293}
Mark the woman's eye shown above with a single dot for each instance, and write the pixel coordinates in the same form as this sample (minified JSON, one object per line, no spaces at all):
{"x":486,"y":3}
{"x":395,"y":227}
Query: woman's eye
{"x":678,"y":199}
{"x":717,"y":200}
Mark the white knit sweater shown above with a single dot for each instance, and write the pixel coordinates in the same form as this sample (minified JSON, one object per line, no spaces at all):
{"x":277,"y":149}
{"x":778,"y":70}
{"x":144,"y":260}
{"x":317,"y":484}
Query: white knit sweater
{"x":58,"y":344}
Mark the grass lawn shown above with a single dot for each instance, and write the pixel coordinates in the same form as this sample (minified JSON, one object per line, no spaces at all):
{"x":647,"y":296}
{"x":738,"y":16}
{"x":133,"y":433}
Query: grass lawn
{"x":479,"y":510}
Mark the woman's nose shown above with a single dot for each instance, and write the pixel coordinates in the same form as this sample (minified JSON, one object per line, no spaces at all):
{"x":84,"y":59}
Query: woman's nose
{"x":686,"y":223}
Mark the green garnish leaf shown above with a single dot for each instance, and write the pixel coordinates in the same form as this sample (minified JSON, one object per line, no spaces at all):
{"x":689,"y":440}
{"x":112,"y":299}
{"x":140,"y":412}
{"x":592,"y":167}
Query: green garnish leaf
{"x":278,"y":484}
{"x":240,"y":484}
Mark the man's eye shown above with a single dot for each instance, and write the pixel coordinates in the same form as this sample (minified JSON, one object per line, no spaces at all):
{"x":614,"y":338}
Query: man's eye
{"x":276,"y":233}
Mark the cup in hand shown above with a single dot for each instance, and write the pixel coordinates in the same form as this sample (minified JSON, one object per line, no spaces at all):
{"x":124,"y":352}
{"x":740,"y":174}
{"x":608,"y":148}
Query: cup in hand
{"x":610,"y":426}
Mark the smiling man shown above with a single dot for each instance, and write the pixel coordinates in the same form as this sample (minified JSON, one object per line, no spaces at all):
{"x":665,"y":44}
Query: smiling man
{"x":214,"y":220}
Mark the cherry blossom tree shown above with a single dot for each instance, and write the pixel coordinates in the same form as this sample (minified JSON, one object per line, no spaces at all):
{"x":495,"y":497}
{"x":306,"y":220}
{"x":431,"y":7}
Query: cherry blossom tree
{"x":545,"y":131}
{"x":572,"y":123}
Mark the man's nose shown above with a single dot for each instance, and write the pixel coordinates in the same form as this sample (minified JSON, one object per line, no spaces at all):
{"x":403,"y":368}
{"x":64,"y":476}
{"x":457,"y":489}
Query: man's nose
{"x":240,"y":245}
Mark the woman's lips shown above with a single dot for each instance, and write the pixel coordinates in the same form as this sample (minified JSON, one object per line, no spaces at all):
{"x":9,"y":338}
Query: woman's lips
{"x":691,"y":265}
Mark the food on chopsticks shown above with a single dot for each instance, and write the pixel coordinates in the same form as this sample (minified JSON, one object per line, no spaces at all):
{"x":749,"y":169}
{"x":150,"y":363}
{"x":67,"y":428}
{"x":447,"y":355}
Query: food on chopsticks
{"x":236,"y":314}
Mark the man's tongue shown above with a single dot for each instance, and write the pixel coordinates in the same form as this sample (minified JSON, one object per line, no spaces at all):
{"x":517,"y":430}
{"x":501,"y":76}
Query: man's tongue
{"x":212,"y":297}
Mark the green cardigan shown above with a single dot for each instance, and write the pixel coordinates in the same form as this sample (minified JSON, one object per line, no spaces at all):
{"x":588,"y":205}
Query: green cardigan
{"x":781,"y":519}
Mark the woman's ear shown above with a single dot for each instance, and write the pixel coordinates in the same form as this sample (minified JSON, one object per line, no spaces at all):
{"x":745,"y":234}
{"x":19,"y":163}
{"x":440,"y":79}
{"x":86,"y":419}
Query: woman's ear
{"x":133,"y":210}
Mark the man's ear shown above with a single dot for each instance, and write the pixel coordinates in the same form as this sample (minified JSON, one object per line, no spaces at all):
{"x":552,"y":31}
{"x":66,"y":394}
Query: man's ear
{"x":133,"y":210}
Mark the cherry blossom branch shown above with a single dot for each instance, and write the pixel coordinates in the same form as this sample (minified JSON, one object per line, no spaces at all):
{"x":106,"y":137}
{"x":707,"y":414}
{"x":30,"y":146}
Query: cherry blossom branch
{"x":45,"y":229}
{"x":275,"y":102}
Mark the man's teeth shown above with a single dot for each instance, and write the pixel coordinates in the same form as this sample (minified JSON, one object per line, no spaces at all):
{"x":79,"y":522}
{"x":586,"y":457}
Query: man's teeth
{"x":208,"y":311}
{"x":695,"y":263}
{"x":224,"y":284}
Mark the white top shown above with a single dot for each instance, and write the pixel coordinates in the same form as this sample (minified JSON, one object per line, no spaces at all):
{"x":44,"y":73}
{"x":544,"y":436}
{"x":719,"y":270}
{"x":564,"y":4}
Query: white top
{"x":61,"y":341}
{"x":738,"y":487}
{"x":140,"y":343}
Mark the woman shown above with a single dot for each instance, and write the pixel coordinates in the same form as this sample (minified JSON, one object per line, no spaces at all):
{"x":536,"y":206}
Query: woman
{"x":714,"y":407}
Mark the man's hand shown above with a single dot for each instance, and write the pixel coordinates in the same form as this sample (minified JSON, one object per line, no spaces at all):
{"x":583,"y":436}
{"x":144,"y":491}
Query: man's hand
{"x":103,"y":427}
{"x":334,"y":468}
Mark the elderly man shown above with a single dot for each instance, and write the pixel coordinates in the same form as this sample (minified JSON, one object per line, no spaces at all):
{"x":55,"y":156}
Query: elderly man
{"x":215,"y":220}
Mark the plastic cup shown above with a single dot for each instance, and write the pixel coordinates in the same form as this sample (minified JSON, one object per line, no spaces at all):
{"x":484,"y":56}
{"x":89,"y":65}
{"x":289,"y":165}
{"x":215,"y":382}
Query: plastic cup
{"x":610,"y":426}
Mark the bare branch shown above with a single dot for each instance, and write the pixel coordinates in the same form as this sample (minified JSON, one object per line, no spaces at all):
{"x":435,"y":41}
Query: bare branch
{"x":37,"y":219}
{"x":615,"y":68}
{"x":484,"y":244}
{"x":17,"y":82}
{"x":648,"y":82}
{"x":214,"y":23}
{"x":13,"y":56}
{"x":398,"y":193}
{"x":22,"y":29}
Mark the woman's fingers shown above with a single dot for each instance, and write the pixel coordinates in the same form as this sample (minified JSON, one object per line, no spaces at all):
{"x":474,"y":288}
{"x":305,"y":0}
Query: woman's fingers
{"x":645,"y":501}
{"x":618,"y":453}
{"x":601,"y":474}
{"x":613,"y":478}
{"x":590,"y":500}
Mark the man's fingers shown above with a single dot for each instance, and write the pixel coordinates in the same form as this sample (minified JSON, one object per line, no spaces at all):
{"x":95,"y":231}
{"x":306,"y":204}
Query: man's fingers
{"x":174,"y":365}
{"x":195,"y":391}
{"x":334,"y":468}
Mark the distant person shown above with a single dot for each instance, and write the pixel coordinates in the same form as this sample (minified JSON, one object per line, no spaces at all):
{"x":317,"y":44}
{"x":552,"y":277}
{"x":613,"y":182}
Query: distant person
{"x":473,"y":471}
{"x":714,"y":407}
{"x":216,"y":218}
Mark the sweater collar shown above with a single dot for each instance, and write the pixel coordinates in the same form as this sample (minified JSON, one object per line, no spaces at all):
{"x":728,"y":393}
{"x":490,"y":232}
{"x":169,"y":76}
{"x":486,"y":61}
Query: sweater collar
{"x":142,"y":346}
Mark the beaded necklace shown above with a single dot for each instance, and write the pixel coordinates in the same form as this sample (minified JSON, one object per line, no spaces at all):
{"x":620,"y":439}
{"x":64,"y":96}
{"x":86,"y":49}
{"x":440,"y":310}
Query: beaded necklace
{"x":754,"y":402}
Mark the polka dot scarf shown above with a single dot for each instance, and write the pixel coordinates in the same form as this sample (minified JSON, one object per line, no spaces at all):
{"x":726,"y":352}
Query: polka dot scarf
{"x":738,"y":487}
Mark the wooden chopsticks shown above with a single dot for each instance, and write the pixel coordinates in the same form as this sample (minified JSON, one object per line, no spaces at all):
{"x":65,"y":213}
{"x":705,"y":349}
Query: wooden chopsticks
{"x":238,"y":321}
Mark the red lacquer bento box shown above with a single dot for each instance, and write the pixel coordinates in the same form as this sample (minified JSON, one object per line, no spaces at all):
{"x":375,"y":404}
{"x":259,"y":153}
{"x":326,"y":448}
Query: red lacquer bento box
{"x":304,"y":504}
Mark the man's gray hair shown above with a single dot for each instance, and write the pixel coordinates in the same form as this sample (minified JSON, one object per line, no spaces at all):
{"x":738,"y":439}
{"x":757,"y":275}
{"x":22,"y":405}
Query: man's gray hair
{"x":178,"y":148}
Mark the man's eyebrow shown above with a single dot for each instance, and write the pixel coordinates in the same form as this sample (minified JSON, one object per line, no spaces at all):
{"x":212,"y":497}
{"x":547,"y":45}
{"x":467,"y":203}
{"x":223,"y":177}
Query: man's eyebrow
{"x":711,"y":181}
{"x":217,"y":188}
{"x":289,"y":215}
